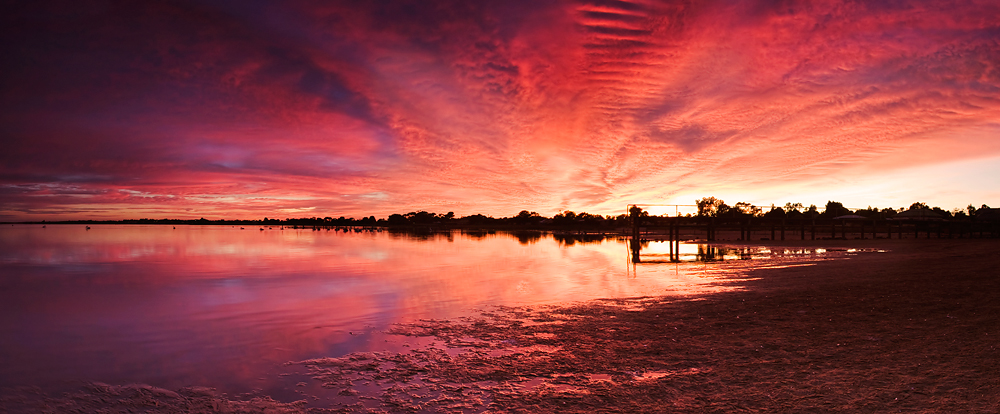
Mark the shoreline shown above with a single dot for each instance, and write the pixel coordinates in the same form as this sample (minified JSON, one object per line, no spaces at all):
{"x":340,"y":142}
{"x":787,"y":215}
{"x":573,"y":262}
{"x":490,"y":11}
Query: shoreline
{"x":913,"y":328}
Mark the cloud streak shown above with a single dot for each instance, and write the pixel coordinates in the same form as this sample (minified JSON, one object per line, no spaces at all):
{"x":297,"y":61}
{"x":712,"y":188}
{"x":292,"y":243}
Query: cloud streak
{"x":250,"y":109}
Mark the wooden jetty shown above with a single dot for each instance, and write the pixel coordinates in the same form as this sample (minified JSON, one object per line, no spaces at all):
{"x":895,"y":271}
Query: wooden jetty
{"x":744,"y":229}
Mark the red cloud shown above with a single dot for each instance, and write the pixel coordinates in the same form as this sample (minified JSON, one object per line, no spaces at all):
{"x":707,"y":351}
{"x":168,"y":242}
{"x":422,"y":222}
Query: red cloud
{"x":344,"y":109}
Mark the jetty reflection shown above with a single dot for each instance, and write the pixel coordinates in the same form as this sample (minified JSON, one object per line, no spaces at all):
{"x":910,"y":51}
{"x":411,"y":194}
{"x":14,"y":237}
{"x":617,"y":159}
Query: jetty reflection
{"x":674,"y":251}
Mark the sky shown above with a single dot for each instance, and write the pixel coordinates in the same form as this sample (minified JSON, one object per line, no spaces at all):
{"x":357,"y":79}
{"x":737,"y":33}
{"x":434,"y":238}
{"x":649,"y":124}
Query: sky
{"x":252,"y":109}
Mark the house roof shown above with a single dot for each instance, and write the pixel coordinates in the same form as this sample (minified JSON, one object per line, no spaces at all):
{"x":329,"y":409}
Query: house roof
{"x":918,"y":214}
{"x":988,"y":214}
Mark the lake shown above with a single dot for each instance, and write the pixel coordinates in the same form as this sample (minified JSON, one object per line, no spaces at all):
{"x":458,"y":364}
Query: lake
{"x":226,"y":306}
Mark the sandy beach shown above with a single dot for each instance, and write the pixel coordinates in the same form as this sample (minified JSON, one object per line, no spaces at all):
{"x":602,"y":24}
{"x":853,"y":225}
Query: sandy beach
{"x":902,"y":326}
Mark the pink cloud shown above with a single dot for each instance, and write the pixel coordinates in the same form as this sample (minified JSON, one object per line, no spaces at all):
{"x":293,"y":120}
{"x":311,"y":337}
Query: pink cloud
{"x":343,"y":109}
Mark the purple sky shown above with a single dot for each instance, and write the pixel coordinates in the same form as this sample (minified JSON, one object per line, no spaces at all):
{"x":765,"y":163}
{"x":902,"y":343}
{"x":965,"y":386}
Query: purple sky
{"x":298,"y":108}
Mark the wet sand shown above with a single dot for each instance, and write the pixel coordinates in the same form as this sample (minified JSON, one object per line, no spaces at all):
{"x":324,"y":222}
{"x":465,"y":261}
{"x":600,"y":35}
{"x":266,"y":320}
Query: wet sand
{"x":913,"y":329}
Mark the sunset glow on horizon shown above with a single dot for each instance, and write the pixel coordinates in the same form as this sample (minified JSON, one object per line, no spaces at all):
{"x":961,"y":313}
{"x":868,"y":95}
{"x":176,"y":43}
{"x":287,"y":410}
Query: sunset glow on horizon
{"x":237,"y":109}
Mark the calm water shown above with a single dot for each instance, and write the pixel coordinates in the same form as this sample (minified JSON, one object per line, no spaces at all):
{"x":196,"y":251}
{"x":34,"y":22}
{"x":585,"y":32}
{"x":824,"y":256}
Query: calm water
{"x":225,"y":307}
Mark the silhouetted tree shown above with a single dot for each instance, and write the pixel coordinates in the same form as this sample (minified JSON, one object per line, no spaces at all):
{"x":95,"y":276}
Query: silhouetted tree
{"x":888,"y":212}
{"x":590,"y":220}
{"x":526,"y":217}
{"x":397,"y":220}
{"x":941,"y":211}
{"x":834,"y":209}
{"x":790,"y":207}
{"x":723,"y":210}
{"x":478,"y":219}
{"x":775,"y":213}
{"x":620,"y":220}
{"x":870,"y":212}
{"x":747,"y":209}
{"x":564,"y":218}
{"x":421,"y":217}
{"x":708,"y":206}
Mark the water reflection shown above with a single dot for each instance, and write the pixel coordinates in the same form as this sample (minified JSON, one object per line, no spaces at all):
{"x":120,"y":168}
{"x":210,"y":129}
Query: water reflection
{"x":527,"y":237}
{"x":569,"y":239}
{"x":225,"y":306}
{"x":650,"y":252}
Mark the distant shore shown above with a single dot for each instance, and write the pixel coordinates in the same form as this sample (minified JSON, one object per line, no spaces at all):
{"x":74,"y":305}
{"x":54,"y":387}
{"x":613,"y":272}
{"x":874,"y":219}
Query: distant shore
{"x":687,"y":229}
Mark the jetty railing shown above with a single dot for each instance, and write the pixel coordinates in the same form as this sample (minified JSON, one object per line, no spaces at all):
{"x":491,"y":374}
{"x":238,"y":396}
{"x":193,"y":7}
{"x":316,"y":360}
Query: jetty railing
{"x":766,"y":229}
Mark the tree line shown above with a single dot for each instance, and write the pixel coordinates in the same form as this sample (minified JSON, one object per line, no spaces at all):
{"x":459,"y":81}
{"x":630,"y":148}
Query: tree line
{"x":707,"y":207}
{"x":714,"y":207}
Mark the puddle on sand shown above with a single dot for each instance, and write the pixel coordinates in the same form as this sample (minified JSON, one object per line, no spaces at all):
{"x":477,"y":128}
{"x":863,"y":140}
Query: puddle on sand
{"x":645,"y":376}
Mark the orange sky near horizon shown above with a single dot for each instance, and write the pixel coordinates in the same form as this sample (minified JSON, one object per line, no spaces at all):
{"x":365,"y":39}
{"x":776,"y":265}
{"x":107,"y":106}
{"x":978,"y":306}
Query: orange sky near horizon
{"x":226,"y":109}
